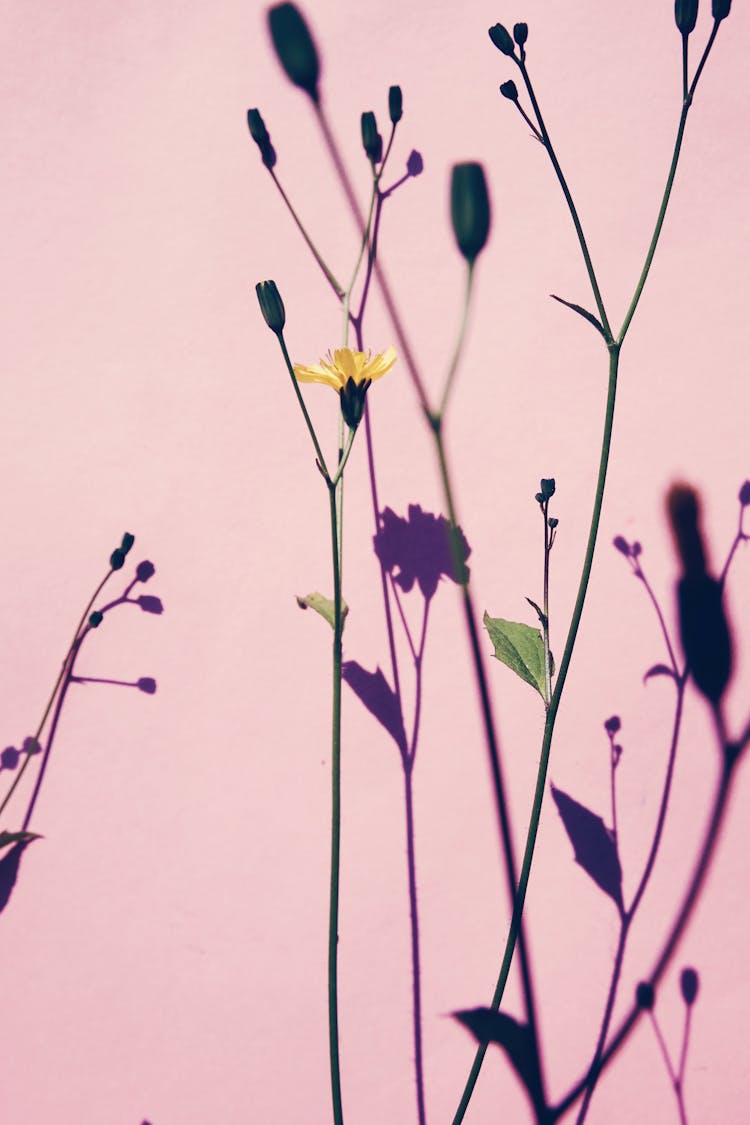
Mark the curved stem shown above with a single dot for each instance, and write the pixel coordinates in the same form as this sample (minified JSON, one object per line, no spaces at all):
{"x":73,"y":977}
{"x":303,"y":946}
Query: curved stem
{"x":333,"y":936}
{"x":310,"y":244}
{"x":459,"y":342}
{"x":608,"y":1008}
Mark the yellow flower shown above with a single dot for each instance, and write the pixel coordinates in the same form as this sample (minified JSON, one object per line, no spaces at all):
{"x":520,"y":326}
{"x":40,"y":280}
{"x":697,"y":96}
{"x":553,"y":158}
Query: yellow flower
{"x":336,"y":371}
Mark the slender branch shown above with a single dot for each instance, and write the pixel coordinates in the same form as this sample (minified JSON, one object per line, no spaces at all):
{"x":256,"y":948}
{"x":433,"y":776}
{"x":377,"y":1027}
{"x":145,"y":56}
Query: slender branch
{"x":310,"y":244}
{"x":333,"y":936}
{"x":456,"y":358}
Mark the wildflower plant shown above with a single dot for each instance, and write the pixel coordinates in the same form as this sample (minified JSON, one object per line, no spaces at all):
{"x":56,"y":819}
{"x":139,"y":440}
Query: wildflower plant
{"x":419,"y":551}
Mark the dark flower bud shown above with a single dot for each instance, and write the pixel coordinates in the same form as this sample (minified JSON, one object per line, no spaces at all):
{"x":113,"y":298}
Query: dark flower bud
{"x":644,"y":996}
{"x":470,"y":209}
{"x":509,"y":90}
{"x":705,"y":634}
{"x":553,"y":522}
{"x":31,"y":746}
{"x":684,"y":516}
{"x":295,"y":48}
{"x":145,"y":570}
{"x":622,"y":545}
{"x":127,"y":542}
{"x":353,"y":401}
{"x":259,"y":133}
{"x":744,"y":496}
{"x":613,"y":724}
{"x":395,"y":104}
{"x":720,"y":9}
{"x":415,"y":163}
{"x":96,"y":619}
{"x":146,"y":684}
{"x":150,"y":605}
{"x":636,"y":549}
{"x":500,"y":36}
{"x":520,"y":33}
{"x":548,"y":487}
{"x":117,"y":559}
{"x":372,"y":142}
{"x":271,"y":305}
{"x":9,"y":758}
{"x":539,"y":497}
{"x":685,"y":15}
{"x":689,"y":986}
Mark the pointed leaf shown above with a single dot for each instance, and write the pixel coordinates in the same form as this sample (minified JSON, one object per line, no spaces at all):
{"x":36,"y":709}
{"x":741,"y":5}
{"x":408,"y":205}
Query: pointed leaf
{"x":659,"y":670}
{"x":380,"y":700}
{"x":7,"y":838}
{"x":539,"y":612}
{"x":9,"y":871}
{"x":323,"y":606}
{"x":582,"y":312}
{"x":593,"y":844}
{"x":520,"y":647}
{"x":489,"y":1026}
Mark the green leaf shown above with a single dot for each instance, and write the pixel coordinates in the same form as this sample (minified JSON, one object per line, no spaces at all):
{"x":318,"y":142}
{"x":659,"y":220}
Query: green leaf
{"x":323,"y":606}
{"x":7,"y":838}
{"x":520,"y":647}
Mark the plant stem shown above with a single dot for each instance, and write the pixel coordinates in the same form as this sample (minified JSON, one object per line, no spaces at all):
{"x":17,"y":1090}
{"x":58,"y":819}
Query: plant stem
{"x":615,"y":979}
{"x":415,"y":958}
{"x":310,"y":244}
{"x":459,"y":341}
{"x":545,"y":609}
{"x":303,"y":408}
{"x":333,"y":919}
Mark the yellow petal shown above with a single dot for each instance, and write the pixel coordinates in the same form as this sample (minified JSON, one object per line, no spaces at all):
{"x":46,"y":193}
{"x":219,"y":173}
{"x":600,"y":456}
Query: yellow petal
{"x":316,"y":374}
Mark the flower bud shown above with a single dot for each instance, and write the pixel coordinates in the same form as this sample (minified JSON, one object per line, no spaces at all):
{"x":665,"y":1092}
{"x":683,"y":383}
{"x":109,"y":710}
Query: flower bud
{"x":145,"y":570}
{"x":96,"y":619}
{"x":127,"y":542}
{"x":644,"y":996}
{"x":705,"y":634}
{"x":548,"y":487}
{"x":685,"y":15}
{"x":295,"y":48}
{"x":689,"y":986}
{"x":470,"y":209}
{"x":259,"y":133}
{"x":117,"y":559}
{"x":744,"y":496}
{"x":613,"y":724}
{"x":271,"y":305}
{"x":395,"y":104}
{"x":372,"y":142}
{"x":500,"y":36}
{"x":147,"y":684}
{"x":520,"y":33}
{"x":9,"y":758}
{"x":352,"y":397}
{"x":720,"y":9}
{"x":509,"y":90}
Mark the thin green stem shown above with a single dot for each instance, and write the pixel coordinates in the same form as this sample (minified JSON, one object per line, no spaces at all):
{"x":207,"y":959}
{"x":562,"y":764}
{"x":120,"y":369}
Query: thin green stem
{"x":55,"y":689}
{"x":310,"y":244}
{"x":333,"y":918}
{"x":549,"y":727}
{"x":545,"y":609}
{"x":303,"y":408}
{"x":568,"y":199}
{"x":456,"y":358}
{"x":342,"y":465}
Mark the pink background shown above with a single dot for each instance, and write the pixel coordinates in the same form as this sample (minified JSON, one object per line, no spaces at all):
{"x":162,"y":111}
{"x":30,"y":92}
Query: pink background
{"x":164,"y":951}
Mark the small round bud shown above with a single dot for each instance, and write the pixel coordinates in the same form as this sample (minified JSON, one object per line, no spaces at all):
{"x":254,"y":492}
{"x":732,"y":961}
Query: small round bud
{"x":553,"y":522}
{"x":96,"y":619}
{"x":470,"y":209}
{"x":539,"y":497}
{"x":613,"y":724}
{"x":145,"y":570}
{"x":509,"y":90}
{"x":372,"y":142}
{"x":395,"y":104}
{"x":117,"y":559}
{"x":689,"y":986}
{"x":146,"y":684}
{"x":271,"y":305}
{"x":520,"y":33}
{"x":295,"y":48}
{"x":621,"y":544}
{"x":260,"y":135}
{"x":31,"y":746}
{"x":644,"y":996}
{"x":685,"y":15}
{"x":500,"y":36}
{"x":9,"y":758}
{"x":720,"y":9}
{"x":744,"y":496}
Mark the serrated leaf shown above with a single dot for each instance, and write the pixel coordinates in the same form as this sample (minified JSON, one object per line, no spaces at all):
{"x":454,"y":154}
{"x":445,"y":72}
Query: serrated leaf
{"x":378,"y":697}
{"x":659,"y":670}
{"x":490,"y":1026}
{"x":323,"y":606}
{"x":520,"y":647}
{"x":593,"y":844}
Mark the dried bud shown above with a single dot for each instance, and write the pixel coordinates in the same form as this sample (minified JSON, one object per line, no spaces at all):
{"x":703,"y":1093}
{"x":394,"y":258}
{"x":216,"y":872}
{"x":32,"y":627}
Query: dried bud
{"x":689,"y":986}
{"x":271,"y":305}
{"x":395,"y":104}
{"x":520,"y":33}
{"x":509,"y":90}
{"x":372,"y":142}
{"x":500,"y":36}
{"x":685,"y":15}
{"x":295,"y":48}
{"x":259,"y":133}
{"x":470,"y":209}
{"x":352,"y":397}
{"x":720,"y":9}
{"x":644,"y":996}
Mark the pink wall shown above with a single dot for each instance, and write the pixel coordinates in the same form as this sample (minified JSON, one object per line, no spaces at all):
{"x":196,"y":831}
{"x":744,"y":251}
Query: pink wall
{"x":164,"y":951}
